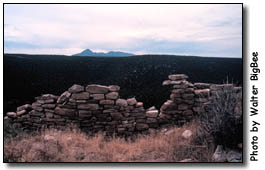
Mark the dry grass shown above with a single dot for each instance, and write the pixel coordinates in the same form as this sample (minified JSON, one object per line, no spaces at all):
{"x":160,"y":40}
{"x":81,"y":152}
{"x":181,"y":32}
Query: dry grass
{"x":75,"y":146}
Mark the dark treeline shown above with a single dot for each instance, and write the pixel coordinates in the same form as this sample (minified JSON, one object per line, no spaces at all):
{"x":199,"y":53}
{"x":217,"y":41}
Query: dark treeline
{"x":28,"y":76}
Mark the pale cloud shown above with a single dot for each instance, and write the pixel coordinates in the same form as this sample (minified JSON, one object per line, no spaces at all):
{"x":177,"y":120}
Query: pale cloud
{"x":134,"y":28}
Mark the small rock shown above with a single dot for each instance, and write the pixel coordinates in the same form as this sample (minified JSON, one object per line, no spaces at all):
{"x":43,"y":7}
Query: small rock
{"x":152,"y":113}
{"x":141,"y":126}
{"x":106,"y":102}
{"x":76,"y":88}
{"x":234,"y":156}
{"x":178,"y":77}
{"x":80,"y":96}
{"x":11,"y":114}
{"x":24,"y":107}
{"x":112,"y":95}
{"x":219,"y":154}
{"x":21,"y":112}
{"x":131,"y":101}
{"x":99,"y":89}
{"x":88,"y":106}
{"x":64,"y":97}
{"x":98,"y":96}
{"x":187,"y":134}
{"x":139,"y":104}
{"x":121,"y":102}
{"x":114,"y":88}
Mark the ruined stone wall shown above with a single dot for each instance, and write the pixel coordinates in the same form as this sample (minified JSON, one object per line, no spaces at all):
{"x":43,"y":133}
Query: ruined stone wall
{"x":99,"y":108}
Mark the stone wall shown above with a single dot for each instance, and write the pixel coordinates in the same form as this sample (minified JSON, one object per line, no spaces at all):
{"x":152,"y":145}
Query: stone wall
{"x":99,"y":108}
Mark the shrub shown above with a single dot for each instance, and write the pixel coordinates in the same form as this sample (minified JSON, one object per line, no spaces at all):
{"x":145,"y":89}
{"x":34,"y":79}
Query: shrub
{"x":220,"y":120}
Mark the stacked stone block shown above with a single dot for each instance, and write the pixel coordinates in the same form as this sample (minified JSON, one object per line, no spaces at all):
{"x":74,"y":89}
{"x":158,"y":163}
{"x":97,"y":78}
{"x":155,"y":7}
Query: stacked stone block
{"x":97,"y":108}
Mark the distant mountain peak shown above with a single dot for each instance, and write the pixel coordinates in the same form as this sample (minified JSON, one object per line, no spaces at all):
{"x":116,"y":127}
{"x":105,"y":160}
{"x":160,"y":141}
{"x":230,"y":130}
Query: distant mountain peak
{"x":88,"y":52}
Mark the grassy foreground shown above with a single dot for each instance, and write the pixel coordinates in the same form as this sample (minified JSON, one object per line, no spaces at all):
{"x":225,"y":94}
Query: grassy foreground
{"x":75,"y":146}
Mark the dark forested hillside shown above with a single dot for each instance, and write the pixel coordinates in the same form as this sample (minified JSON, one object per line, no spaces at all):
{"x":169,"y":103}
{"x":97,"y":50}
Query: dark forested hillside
{"x":28,"y":76}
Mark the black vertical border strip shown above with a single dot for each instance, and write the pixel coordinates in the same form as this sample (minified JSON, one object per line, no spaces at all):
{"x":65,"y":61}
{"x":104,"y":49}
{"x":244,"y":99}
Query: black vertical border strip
{"x":59,"y":164}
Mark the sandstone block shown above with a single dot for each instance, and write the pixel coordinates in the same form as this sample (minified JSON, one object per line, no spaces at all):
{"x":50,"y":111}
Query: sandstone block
{"x":106,"y":102}
{"x":84,"y":113}
{"x":151,"y":120}
{"x":202,"y":93}
{"x":116,"y":115}
{"x":139,"y":104}
{"x":98,"y":96}
{"x":19,"y":113}
{"x":168,"y":106}
{"x":64,"y":97}
{"x":65,"y":111}
{"x":178,"y":77}
{"x":188,"y":112}
{"x":48,"y":106}
{"x":24,"y":107}
{"x":121,"y":102}
{"x":152,"y":113}
{"x":88,"y":106}
{"x":141,"y":126}
{"x":76,"y":89}
{"x":11,"y":114}
{"x":80,"y":96}
{"x":112,"y":95}
{"x":202,"y":85}
{"x":131,"y":101}
{"x":188,"y":96}
{"x":114,"y":88}
{"x":99,"y":89}
{"x":183,"y":107}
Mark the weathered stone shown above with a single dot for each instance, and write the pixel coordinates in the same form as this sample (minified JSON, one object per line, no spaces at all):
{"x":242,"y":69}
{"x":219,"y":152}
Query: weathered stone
{"x":49,"y":115}
{"x":178,"y":77}
{"x":189,"y":90}
{"x":121,"y":102}
{"x":116,"y":115}
{"x":188,"y":96}
{"x":166,"y":82}
{"x":168,"y":106}
{"x":178,"y":91}
{"x":202,"y":85}
{"x":186,"y":134}
{"x":234,"y":156}
{"x":11,"y":114}
{"x":139,"y":104}
{"x":106,"y":102}
{"x":202,"y":93}
{"x":112,"y":95}
{"x":151,"y":120}
{"x":35,"y":113}
{"x":183,"y":107}
{"x":131,"y":101}
{"x":98,"y":96}
{"x":141,"y":126}
{"x":188,"y":113}
{"x":84,"y":113}
{"x":114,"y":88}
{"x":80,"y":96}
{"x":152,"y":113}
{"x":180,"y":86}
{"x":109,"y":110}
{"x":49,"y":106}
{"x":64,"y":97}
{"x":36,"y":104}
{"x":65,"y":111}
{"x":94,"y":88}
{"x":48,"y":101}
{"x":219,"y":154}
{"x":76,"y":88}
{"x":48,"y":96}
{"x":24,"y":107}
{"x":19,"y":113}
{"x":88,"y":106}
{"x":81,"y":101}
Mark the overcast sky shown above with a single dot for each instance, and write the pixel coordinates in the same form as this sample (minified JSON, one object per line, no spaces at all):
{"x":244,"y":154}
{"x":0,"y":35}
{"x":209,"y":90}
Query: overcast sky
{"x":190,"y":29}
